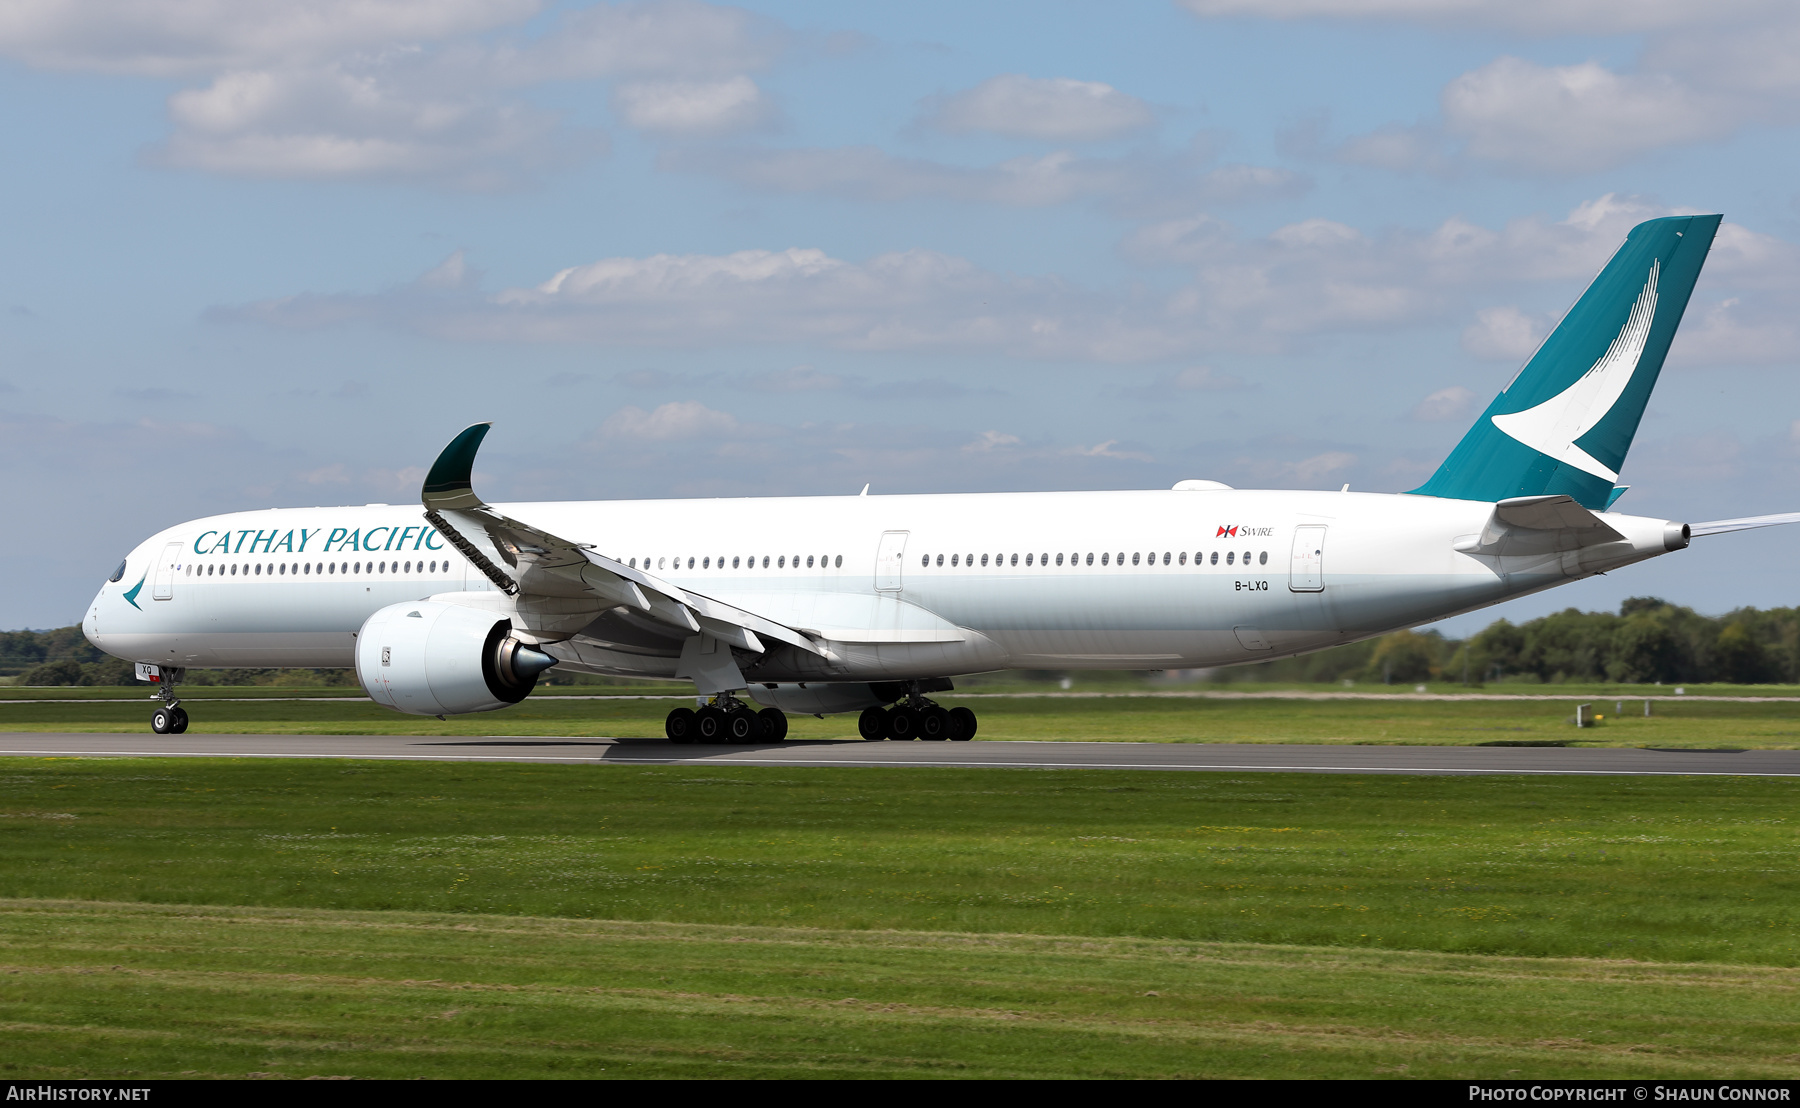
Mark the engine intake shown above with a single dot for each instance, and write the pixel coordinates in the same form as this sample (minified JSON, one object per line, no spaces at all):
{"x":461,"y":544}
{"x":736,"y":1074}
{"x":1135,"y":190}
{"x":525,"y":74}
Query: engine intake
{"x":428,"y":658}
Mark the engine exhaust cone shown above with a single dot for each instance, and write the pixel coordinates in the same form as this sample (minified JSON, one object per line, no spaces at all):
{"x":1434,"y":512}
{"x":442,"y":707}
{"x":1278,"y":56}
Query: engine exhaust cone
{"x":528,"y":663}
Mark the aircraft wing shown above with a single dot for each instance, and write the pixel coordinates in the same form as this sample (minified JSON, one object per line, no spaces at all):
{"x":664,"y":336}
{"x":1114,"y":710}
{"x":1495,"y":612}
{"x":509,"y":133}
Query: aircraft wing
{"x":1721,"y":526}
{"x":541,"y":565}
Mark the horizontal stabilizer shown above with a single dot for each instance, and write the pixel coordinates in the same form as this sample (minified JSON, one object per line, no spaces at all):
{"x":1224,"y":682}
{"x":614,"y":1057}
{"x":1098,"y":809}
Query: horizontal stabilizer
{"x":1721,"y":526}
{"x":1539,"y":525}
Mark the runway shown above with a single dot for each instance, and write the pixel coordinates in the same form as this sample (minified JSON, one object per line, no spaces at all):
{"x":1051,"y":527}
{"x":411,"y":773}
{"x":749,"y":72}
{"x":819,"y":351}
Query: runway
{"x":1192,"y":757}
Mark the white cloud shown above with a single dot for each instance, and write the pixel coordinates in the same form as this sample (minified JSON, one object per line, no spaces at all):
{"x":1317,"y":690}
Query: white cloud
{"x":1056,"y":108}
{"x":675,"y":421}
{"x":331,"y":123}
{"x":1240,"y":293}
{"x":178,"y":37}
{"x":1454,"y":402}
{"x":424,"y":90}
{"x":1105,"y":450}
{"x":682,"y":39}
{"x":992,"y":440}
{"x":869,"y":173}
{"x":1504,"y":333}
{"x":1541,"y":16}
{"x":692,"y":107}
{"x":1573,"y":118}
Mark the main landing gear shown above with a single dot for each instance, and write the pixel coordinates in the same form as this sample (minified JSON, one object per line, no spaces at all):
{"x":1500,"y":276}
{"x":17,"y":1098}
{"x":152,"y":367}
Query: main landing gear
{"x":917,"y":717}
{"x":726,"y":719}
{"x":170,"y":718}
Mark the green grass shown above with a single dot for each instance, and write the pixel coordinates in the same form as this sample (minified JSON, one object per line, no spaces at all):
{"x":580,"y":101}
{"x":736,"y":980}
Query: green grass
{"x":1140,"y":717}
{"x":228,"y":917}
{"x":225,"y":917}
{"x":126,"y":990}
{"x":1671,"y":869}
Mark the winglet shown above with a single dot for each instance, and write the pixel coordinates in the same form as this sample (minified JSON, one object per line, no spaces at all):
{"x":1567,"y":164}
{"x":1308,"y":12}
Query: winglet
{"x":448,"y":485}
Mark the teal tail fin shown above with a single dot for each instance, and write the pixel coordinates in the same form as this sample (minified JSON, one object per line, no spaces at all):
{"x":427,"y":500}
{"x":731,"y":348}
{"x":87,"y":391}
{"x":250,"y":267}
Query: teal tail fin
{"x":1565,"y":422}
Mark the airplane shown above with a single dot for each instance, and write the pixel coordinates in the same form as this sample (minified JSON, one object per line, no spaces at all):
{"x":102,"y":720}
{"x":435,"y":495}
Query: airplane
{"x":870,"y":604}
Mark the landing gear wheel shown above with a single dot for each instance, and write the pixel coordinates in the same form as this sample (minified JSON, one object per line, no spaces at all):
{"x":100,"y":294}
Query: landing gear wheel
{"x":775,"y":724}
{"x":934,"y":724}
{"x":709,"y":724}
{"x":181,"y":722}
{"x":681,"y":725}
{"x":962,"y":724}
{"x":743,"y":726}
{"x":872,"y":724}
{"x":902,"y":726}
{"x":162,"y":721}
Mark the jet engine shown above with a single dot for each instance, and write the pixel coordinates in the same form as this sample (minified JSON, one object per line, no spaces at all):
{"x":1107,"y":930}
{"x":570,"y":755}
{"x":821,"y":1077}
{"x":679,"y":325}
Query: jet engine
{"x":428,"y":658}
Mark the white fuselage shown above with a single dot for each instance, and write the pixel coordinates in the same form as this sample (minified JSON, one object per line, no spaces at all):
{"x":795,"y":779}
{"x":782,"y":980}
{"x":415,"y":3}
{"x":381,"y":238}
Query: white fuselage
{"x":897,"y":586}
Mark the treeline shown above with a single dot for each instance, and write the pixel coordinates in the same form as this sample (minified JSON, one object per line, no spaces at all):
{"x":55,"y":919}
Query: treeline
{"x":1648,"y":640}
{"x":65,"y":657}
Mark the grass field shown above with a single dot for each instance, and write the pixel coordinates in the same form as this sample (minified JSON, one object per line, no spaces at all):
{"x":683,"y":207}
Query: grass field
{"x":1140,"y":716}
{"x":375,"y":919}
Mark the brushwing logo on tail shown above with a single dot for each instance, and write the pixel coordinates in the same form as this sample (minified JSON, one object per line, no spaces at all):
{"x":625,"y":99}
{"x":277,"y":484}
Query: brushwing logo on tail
{"x":1552,"y":427}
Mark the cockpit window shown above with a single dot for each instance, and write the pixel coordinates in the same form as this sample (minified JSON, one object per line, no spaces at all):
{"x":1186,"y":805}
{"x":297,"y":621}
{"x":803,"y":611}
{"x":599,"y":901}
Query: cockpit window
{"x":118,"y":573}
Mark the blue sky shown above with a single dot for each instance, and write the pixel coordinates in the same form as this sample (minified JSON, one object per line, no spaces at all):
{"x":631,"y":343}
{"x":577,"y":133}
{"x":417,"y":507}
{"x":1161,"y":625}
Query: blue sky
{"x":278,"y":254}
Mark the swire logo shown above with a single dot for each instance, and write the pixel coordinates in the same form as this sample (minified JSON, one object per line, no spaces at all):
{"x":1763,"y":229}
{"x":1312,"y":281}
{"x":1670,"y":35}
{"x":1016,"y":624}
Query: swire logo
{"x":1226,"y":532}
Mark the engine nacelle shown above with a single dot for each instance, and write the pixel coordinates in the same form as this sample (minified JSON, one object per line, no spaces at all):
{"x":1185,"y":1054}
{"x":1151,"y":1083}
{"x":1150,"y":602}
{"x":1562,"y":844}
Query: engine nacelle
{"x":428,"y":658}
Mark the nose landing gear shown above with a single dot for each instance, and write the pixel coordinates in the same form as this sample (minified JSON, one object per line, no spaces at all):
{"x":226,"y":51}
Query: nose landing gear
{"x":170,"y":718}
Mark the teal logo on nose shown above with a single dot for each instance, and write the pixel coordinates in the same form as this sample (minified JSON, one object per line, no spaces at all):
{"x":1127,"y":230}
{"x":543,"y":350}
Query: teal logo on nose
{"x":131,"y":594}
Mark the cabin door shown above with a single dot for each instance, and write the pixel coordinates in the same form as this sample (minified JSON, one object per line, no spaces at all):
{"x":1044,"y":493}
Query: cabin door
{"x":1306,"y":569}
{"x":165,"y":572}
{"x":889,"y":557}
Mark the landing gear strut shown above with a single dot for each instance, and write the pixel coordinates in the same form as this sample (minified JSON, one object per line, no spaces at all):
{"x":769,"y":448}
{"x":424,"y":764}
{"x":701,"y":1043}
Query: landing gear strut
{"x":726,"y":719}
{"x":917,"y":716}
{"x":170,"y":718}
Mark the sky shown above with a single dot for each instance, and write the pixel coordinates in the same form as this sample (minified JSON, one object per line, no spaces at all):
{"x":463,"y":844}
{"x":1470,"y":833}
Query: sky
{"x":278,"y":254}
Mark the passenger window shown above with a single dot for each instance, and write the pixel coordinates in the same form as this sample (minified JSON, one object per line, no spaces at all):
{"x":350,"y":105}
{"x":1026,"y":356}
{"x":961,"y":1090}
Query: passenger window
{"x":984,"y":559}
{"x":1134,"y":559}
{"x":1106,"y":559}
{"x":1230,"y":556}
{"x":1027,"y":559}
{"x":1059,"y":559}
{"x":1015,"y":560}
{"x":925,"y":560}
{"x":838,"y":562}
{"x":1263,"y":558}
{"x":1215,"y":557}
{"x":781,"y":563}
{"x":1090,"y":560}
{"x":954,"y":558}
{"x":282,"y":569}
{"x":1166,"y":558}
{"x":809,"y":561}
{"x":1183,"y":560}
{"x":765,"y":561}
